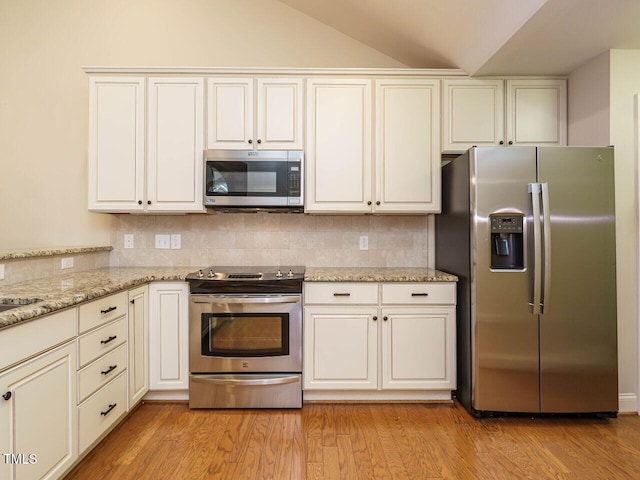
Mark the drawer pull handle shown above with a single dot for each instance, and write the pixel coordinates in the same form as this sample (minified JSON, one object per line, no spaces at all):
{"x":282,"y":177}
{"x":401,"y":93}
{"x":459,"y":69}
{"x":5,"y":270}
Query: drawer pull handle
{"x":7,"y":396}
{"x":111,"y":407}
{"x":419,"y":294}
{"x":110,"y":339}
{"x":110,"y":309}
{"x":109,"y":370}
{"x":341,"y":294}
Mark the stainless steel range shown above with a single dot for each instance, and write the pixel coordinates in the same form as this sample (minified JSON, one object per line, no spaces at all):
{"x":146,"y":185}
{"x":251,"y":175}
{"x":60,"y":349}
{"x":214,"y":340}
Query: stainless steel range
{"x":245,"y":337}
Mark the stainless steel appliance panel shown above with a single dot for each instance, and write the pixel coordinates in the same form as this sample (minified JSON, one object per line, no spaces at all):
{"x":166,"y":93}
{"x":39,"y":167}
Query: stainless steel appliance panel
{"x":578,"y":338}
{"x":245,"y":305}
{"x":245,"y":391}
{"x":504,"y":332}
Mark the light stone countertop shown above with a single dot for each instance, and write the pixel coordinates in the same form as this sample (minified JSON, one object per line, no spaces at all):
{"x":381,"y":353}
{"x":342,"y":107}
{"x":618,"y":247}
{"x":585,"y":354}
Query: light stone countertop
{"x":48,"y":252}
{"x":376,"y":274}
{"x":64,"y":291}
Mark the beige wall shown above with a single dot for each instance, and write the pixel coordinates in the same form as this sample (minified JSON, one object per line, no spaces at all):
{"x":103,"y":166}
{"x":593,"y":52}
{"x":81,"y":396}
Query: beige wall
{"x":44,"y":94}
{"x":601,"y":101}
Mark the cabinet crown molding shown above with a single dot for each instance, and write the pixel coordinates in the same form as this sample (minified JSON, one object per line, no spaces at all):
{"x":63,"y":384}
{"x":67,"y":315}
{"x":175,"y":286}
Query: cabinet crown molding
{"x":453,"y":72}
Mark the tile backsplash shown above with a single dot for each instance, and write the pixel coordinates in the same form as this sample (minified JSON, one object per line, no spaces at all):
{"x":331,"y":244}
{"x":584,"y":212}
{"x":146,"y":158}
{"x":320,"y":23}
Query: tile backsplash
{"x":276,"y":239}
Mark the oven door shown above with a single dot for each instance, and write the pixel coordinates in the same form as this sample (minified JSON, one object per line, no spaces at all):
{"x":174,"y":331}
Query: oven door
{"x":245,"y":333}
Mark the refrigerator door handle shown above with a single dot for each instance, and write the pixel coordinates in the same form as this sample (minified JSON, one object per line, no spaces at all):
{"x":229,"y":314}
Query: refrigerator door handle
{"x":546,"y":219}
{"x":534,"y":190}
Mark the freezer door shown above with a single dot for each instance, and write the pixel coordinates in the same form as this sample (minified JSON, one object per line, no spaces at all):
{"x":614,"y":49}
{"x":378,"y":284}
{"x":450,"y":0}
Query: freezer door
{"x":578,"y":339}
{"x":503,"y":328}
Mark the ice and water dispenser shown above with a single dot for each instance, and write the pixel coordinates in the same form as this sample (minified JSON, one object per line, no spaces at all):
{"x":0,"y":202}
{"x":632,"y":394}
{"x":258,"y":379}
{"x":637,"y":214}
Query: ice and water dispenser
{"x":507,"y":241}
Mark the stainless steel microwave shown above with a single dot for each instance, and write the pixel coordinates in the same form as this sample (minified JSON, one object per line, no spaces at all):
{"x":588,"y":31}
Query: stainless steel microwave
{"x":252,"y":179}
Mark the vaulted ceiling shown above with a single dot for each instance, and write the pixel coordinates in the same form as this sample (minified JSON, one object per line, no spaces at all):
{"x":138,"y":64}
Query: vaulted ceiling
{"x":485,"y":37}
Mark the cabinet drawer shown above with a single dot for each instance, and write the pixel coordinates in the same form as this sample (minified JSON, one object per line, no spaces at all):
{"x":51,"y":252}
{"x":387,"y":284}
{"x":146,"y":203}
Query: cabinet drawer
{"x":29,"y":338}
{"x":100,"y":411}
{"x":101,"y":311}
{"x":101,"y":341}
{"x":101,"y":372}
{"x":333,"y":293}
{"x":419,"y":293}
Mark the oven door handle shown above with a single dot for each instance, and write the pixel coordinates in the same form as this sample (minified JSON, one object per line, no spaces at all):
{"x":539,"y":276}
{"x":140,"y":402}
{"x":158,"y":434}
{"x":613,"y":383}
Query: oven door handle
{"x":241,"y":381}
{"x":244,"y":299}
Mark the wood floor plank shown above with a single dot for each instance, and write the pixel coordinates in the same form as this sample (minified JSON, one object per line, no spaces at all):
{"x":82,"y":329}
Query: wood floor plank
{"x":361,"y":442}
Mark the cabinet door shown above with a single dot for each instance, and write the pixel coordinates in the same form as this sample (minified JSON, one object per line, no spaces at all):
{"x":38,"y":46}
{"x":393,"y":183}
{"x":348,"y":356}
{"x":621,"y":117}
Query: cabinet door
{"x":168,"y":336}
{"x":338,"y":142}
{"x":279,"y":114}
{"x":138,"y":344}
{"x":418,"y":348}
{"x":175,"y":145}
{"x":407,"y":146}
{"x":340,"y":348}
{"x":38,"y":421}
{"x":116,"y":144}
{"x":230,"y":113}
{"x":536,"y":112}
{"x":472,"y":114}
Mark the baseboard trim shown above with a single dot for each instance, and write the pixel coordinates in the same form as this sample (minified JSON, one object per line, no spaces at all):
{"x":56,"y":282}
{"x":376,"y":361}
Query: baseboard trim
{"x":627,"y":402}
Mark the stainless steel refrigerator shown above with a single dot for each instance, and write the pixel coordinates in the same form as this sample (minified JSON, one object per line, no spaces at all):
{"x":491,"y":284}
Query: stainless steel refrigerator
{"x":530,"y":232}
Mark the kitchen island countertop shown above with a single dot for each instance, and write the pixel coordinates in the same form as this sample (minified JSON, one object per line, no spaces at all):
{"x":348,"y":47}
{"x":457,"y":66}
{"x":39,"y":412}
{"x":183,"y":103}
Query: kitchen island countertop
{"x":47,"y":295}
{"x":376,"y":274}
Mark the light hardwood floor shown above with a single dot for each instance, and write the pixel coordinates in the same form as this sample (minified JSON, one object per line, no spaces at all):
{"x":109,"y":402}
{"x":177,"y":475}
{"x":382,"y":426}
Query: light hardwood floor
{"x":361,"y":441}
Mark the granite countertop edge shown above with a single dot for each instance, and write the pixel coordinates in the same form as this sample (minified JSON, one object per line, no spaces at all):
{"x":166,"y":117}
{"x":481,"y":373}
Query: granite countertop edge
{"x":49,"y":252}
{"x":41,"y":297}
{"x":373,"y":274}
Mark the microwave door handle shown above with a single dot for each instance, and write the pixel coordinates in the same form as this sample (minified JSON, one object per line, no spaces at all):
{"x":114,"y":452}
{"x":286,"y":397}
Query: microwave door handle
{"x":241,"y":299}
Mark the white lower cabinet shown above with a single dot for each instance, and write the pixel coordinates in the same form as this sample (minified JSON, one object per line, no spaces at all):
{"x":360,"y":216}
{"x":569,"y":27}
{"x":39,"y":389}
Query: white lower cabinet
{"x":39,"y":418}
{"x":138,"y":343}
{"x":169,"y":338}
{"x":102,"y":363}
{"x":396,"y":344}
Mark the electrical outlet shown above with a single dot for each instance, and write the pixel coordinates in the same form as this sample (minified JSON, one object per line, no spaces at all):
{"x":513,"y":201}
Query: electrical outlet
{"x":176,"y":241}
{"x":128,"y":240}
{"x":364,"y":242}
{"x":163,"y":241}
{"x":66,"y":263}
{"x":2,"y":271}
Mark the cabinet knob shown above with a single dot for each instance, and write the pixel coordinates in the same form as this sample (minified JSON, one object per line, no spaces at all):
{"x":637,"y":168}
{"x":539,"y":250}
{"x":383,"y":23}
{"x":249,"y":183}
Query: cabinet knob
{"x":385,"y":318}
{"x":259,"y":141}
{"x":139,"y":202}
{"x":132,"y":302}
{"x":369,"y":202}
{"x":7,"y":396}
{"x":375,"y":318}
{"x":378,"y":202}
{"x":148,"y":202}
{"x":510,"y":142}
{"x":250,"y":141}
{"x":501,"y":142}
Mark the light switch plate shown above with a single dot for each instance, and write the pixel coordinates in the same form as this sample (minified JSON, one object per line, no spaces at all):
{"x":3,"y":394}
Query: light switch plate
{"x":176,"y":241}
{"x":163,"y":241}
{"x":364,"y":242}
{"x":128,"y":240}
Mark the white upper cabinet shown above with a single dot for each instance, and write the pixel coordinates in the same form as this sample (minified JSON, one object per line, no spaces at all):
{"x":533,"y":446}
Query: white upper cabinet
{"x":343,"y":176}
{"x":472,"y":113}
{"x":175,"y":145}
{"x":338,"y":145}
{"x":407,"y":159}
{"x":536,"y":112}
{"x":154,"y":170}
{"x":491,"y":112}
{"x":248,"y":113}
{"x":116,"y":143}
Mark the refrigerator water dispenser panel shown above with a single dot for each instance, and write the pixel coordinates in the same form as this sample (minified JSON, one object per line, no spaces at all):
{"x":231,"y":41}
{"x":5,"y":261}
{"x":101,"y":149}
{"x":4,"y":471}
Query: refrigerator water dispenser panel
{"x":507,"y":242}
